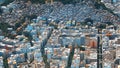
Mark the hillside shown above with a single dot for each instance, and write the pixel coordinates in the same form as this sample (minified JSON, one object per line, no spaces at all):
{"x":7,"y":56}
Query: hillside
{"x":81,"y":11}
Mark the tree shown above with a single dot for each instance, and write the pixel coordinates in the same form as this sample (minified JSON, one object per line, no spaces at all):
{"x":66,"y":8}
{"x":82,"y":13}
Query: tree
{"x":5,"y":61}
{"x":54,"y":25}
{"x":36,"y":1}
{"x":1,"y":11}
{"x":33,"y":16}
{"x":89,"y":20}
{"x":70,"y":57}
{"x":17,"y":25}
{"x":7,"y":2}
{"x":29,"y":36}
{"x":101,"y":26}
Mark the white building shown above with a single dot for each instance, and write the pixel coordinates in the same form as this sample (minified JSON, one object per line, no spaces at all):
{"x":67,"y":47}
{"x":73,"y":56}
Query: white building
{"x":1,"y":62}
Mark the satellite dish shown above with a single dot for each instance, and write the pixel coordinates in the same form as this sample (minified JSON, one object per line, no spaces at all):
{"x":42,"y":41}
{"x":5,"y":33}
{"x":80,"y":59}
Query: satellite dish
{"x":2,"y":1}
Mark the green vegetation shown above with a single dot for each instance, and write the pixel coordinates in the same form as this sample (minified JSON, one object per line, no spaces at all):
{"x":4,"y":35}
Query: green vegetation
{"x":67,"y":1}
{"x":23,"y":20}
{"x":101,"y":26}
{"x":99,"y":5}
{"x":54,"y":25}
{"x":70,"y":57}
{"x":37,"y":1}
{"x":42,"y":49}
{"x":82,"y":48}
{"x":29,"y":36}
{"x":17,"y":25}
{"x":5,"y":61}
{"x":1,"y":11}
{"x":109,"y":23}
{"x":33,"y":16}
{"x":4,"y":26}
{"x":25,"y":56}
{"x":47,"y":64}
{"x":7,"y":2}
